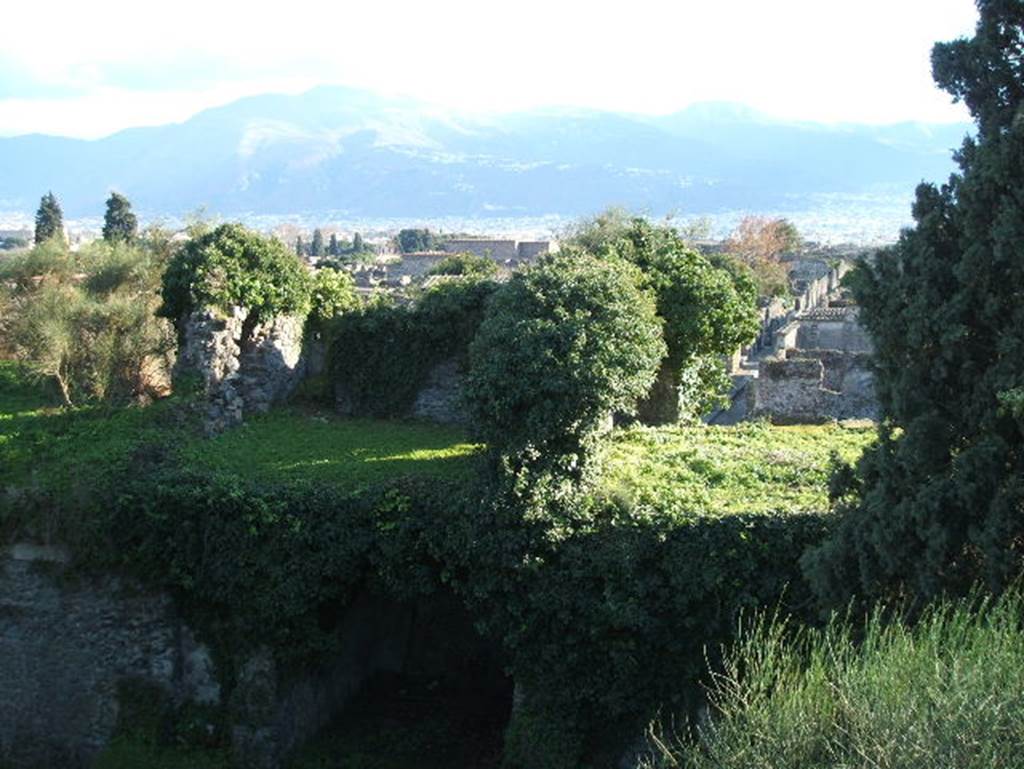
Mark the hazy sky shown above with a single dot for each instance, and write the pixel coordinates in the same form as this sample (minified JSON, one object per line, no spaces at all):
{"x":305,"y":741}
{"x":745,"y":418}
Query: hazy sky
{"x":89,"y":68}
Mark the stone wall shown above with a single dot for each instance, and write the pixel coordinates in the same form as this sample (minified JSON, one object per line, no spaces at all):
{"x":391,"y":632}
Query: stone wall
{"x":814,"y":386}
{"x":833,"y":329}
{"x":497,"y":249}
{"x":242,"y":367}
{"x":440,"y":398}
{"x":68,"y":646}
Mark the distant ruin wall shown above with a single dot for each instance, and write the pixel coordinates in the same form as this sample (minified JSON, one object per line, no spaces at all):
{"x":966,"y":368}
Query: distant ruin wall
{"x":498,"y":250}
{"x":843,"y":333}
{"x":815,"y":386}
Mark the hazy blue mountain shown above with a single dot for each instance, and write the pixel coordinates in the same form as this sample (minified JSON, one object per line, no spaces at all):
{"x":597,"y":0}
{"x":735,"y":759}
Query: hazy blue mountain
{"x":350,"y":151}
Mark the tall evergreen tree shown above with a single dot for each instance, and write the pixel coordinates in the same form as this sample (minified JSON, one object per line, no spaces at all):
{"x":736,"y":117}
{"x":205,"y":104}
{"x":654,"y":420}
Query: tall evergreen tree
{"x":357,"y":244}
{"x":332,"y":247}
{"x":939,"y":502}
{"x":317,"y":247}
{"x":49,"y":219}
{"x":119,"y":223}
{"x":300,"y":247}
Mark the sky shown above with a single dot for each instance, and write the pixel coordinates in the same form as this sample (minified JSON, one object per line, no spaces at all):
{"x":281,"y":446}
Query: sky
{"x":81,"y":69}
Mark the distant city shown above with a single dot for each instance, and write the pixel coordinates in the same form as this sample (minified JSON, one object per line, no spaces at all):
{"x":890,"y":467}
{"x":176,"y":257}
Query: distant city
{"x":870,"y":220}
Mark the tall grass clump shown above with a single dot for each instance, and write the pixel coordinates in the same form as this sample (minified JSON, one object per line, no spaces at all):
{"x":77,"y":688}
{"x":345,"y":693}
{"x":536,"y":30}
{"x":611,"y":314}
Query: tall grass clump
{"x":947,"y":691}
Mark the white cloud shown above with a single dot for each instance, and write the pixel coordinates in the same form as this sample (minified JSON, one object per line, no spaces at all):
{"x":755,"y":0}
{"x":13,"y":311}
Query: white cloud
{"x":813,"y":59}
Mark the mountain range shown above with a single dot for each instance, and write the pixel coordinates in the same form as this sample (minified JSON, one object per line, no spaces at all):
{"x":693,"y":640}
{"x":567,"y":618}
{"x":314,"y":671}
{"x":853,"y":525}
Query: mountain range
{"x":355,"y":153}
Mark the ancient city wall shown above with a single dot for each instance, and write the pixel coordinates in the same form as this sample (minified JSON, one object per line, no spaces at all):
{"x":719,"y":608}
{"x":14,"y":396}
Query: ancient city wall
{"x":498,"y":250}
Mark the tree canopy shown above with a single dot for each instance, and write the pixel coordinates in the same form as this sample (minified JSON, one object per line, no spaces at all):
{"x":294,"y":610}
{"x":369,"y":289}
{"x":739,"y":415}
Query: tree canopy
{"x":937,"y":504}
{"x":708,"y":312}
{"x":49,"y":219}
{"x":233,"y":266}
{"x":119,"y":223}
{"x":562,"y":346}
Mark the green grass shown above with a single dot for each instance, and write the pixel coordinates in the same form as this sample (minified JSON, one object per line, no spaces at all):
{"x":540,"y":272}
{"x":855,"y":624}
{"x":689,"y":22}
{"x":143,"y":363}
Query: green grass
{"x":947,"y":692}
{"x":63,"y":452}
{"x":753,"y":467}
{"x":297,"y":445}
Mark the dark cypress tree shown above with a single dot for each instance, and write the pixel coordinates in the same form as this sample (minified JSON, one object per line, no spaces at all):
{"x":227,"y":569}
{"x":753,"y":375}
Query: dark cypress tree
{"x":119,"y":223}
{"x":332,"y":247}
{"x":357,"y":244}
{"x":49,"y":219}
{"x":300,"y":247}
{"x":938,"y":504}
{"x":317,"y":247}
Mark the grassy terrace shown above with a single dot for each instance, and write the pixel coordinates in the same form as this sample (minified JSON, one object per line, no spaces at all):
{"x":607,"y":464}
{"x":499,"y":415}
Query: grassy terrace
{"x":43,"y":445}
{"x":682,"y":471}
{"x":298,"y":445}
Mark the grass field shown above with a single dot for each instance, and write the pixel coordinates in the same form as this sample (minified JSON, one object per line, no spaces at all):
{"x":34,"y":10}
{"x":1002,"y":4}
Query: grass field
{"x":299,"y":445}
{"x":63,"y":451}
{"x":753,"y":467}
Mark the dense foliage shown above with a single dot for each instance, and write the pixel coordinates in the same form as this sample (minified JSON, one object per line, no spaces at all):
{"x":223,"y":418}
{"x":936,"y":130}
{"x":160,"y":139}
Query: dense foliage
{"x":119,"y":222}
{"x":938,"y":503}
{"x":411,"y":240}
{"x":602,"y":618}
{"x":232,"y":266}
{"x":944,"y":693}
{"x":563,"y":346}
{"x":708,"y":312}
{"x":381,"y":355}
{"x":466,"y":264}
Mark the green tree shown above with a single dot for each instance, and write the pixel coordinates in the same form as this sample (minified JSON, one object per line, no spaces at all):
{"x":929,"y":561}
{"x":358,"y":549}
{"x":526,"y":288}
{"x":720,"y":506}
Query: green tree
{"x":300,"y":247}
{"x":562,"y":346}
{"x":233,"y":266}
{"x":333,"y":249}
{"x":413,"y":240}
{"x":938,"y":503}
{"x":358,"y":246}
{"x":119,"y":223}
{"x":708,"y":312}
{"x":317,"y":246}
{"x":49,"y":219}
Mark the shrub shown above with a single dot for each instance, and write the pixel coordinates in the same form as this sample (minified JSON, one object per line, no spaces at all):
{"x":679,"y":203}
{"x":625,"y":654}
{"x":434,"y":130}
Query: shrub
{"x":333,"y":293}
{"x":946,"y":692}
{"x":708,"y":312}
{"x":87,"y":321}
{"x":562,"y":346}
{"x":232,"y":266}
